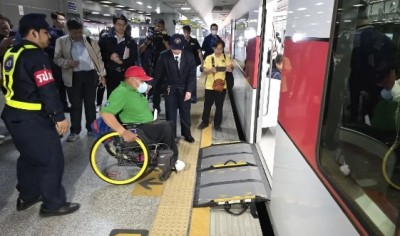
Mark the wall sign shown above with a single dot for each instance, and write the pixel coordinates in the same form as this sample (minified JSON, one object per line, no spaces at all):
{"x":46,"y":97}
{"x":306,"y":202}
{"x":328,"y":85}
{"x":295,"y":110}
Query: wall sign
{"x":72,"y":6}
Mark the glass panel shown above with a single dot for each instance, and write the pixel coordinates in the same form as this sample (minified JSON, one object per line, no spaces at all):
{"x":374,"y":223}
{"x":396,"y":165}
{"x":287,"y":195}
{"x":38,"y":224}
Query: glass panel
{"x":360,"y":121}
{"x":245,"y":29}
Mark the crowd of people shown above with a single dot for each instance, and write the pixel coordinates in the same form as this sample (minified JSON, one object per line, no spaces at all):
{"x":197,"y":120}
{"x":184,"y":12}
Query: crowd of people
{"x":47,"y":71}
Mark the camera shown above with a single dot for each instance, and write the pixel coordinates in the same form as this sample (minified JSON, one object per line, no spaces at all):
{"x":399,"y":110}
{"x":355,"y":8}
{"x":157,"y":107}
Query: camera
{"x":156,"y":37}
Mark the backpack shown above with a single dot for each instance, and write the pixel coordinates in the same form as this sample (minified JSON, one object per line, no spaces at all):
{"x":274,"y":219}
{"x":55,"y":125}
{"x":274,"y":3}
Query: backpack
{"x":99,"y":127}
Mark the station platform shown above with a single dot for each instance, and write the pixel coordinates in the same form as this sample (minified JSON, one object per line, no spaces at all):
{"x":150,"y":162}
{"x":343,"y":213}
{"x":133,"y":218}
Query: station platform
{"x":146,"y":207}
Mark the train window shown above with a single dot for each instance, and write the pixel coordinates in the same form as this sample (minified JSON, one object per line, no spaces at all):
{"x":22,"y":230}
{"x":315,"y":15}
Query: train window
{"x":361,"y":121}
{"x":245,"y":29}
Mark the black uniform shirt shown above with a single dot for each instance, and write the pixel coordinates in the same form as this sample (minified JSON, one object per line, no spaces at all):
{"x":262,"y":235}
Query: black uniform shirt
{"x":34,"y":82}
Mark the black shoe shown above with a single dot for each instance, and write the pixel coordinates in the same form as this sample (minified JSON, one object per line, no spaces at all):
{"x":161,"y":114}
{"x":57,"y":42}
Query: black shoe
{"x":64,"y":210}
{"x":218,"y":128}
{"x":23,"y":205}
{"x":189,"y":139}
{"x":202,"y":125}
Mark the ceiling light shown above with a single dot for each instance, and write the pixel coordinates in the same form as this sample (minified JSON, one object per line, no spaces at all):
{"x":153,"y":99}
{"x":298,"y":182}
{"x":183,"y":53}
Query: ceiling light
{"x":320,"y":12}
{"x":140,"y":3}
{"x":319,"y":3}
{"x":158,"y":10}
{"x":107,"y":2}
{"x":358,"y":5}
{"x":149,"y":7}
{"x":131,"y":9}
{"x":106,"y":14}
{"x":186,"y":8}
{"x":104,"y":5}
{"x":95,"y":13}
{"x":308,"y":15}
{"x":302,"y":9}
{"x":140,"y":12}
{"x":119,"y":6}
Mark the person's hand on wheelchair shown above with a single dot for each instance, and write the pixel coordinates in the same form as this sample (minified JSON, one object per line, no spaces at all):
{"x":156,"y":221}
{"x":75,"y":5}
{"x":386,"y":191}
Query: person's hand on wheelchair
{"x":128,"y":136}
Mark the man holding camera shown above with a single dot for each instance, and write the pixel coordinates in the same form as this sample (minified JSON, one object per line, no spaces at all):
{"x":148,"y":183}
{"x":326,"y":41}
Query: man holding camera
{"x":156,"y":42}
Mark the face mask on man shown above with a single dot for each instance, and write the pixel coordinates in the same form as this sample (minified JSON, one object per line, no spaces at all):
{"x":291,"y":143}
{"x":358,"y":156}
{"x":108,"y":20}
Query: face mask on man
{"x":142,"y":87}
{"x":214,"y":32}
{"x":394,"y":93}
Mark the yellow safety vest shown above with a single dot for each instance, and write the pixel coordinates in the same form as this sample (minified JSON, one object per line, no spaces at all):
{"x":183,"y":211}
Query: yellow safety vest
{"x":9,"y":63}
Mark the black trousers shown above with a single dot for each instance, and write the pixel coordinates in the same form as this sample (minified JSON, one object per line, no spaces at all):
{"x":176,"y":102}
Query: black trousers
{"x":161,"y":132}
{"x":60,"y":85}
{"x":173,"y":102}
{"x":83,"y":89}
{"x":114,"y":78}
{"x":211,"y":97}
{"x":40,"y":165}
{"x":156,"y":92}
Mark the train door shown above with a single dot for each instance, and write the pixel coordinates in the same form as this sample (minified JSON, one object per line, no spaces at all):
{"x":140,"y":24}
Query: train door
{"x":273,"y":26}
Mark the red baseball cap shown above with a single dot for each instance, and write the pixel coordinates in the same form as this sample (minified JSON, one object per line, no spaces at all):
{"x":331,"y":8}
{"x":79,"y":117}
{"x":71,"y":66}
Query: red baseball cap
{"x":137,"y":72}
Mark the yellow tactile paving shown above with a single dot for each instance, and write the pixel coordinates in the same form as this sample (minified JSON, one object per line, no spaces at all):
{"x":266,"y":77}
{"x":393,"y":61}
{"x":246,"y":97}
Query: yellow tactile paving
{"x":174,"y":211}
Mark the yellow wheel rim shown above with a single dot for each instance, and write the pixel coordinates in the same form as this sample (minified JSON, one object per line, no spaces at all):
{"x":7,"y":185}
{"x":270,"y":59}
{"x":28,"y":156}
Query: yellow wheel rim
{"x":107,"y":179}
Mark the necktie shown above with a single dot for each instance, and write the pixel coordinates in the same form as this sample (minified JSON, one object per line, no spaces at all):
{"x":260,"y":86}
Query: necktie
{"x":177,"y":62}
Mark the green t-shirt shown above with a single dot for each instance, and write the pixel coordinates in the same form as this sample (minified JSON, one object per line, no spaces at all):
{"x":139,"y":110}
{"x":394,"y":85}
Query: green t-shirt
{"x":129,"y":104}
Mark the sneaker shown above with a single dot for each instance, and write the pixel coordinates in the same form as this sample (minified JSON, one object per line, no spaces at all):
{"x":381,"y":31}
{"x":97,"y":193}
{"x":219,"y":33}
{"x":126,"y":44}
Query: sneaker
{"x":91,"y":134}
{"x":202,"y":125}
{"x":98,"y":109}
{"x":179,"y":165}
{"x":2,"y":138}
{"x":72,"y":137}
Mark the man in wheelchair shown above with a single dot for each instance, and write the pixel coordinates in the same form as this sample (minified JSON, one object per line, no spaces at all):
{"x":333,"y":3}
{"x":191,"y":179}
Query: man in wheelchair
{"x":131,"y":106}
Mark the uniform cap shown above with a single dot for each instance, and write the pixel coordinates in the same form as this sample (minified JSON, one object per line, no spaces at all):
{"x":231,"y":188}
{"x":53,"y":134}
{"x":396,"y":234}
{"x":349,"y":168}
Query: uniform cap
{"x":177,"y":41}
{"x":137,"y":72}
{"x":33,"y":21}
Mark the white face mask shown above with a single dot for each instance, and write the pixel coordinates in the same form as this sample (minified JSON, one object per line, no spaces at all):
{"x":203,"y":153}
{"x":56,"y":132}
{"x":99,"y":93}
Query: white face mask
{"x":386,"y":94}
{"x":394,"y":93}
{"x":142,"y":87}
{"x":214,"y":32}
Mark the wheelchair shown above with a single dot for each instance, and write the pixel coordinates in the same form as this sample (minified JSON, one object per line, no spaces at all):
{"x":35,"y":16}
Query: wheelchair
{"x":118,"y":162}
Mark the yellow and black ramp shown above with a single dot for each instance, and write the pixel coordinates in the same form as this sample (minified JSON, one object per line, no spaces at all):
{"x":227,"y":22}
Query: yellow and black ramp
{"x":228,"y":174}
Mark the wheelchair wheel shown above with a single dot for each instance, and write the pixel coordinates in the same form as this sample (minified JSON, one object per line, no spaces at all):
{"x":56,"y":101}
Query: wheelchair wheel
{"x":118,"y":162}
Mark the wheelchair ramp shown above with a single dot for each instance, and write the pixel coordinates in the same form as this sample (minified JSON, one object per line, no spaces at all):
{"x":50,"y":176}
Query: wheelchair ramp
{"x":230,"y":173}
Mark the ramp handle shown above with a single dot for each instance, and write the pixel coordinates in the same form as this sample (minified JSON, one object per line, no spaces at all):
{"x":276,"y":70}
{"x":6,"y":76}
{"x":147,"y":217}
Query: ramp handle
{"x":230,"y":161}
{"x":228,"y":209}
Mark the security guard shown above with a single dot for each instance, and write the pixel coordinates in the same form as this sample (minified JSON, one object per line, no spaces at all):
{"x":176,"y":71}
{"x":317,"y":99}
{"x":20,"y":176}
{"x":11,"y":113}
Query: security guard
{"x":35,"y":118}
{"x":177,"y":68}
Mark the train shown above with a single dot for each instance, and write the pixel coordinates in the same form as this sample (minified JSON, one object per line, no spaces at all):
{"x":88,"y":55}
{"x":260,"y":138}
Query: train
{"x":327,"y":133}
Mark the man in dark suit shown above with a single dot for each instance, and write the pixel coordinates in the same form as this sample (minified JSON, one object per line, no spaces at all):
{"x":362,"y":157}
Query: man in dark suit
{"x":177,"y":69}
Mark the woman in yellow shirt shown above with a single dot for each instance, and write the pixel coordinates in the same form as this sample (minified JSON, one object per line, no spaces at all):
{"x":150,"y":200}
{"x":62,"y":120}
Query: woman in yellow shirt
{"x":215,"y":67}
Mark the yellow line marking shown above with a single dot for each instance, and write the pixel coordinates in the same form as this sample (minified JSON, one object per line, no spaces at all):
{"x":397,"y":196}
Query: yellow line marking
{"x":200,"y":224}
{"x":206,"y":137}
{"x":149,"y":185}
